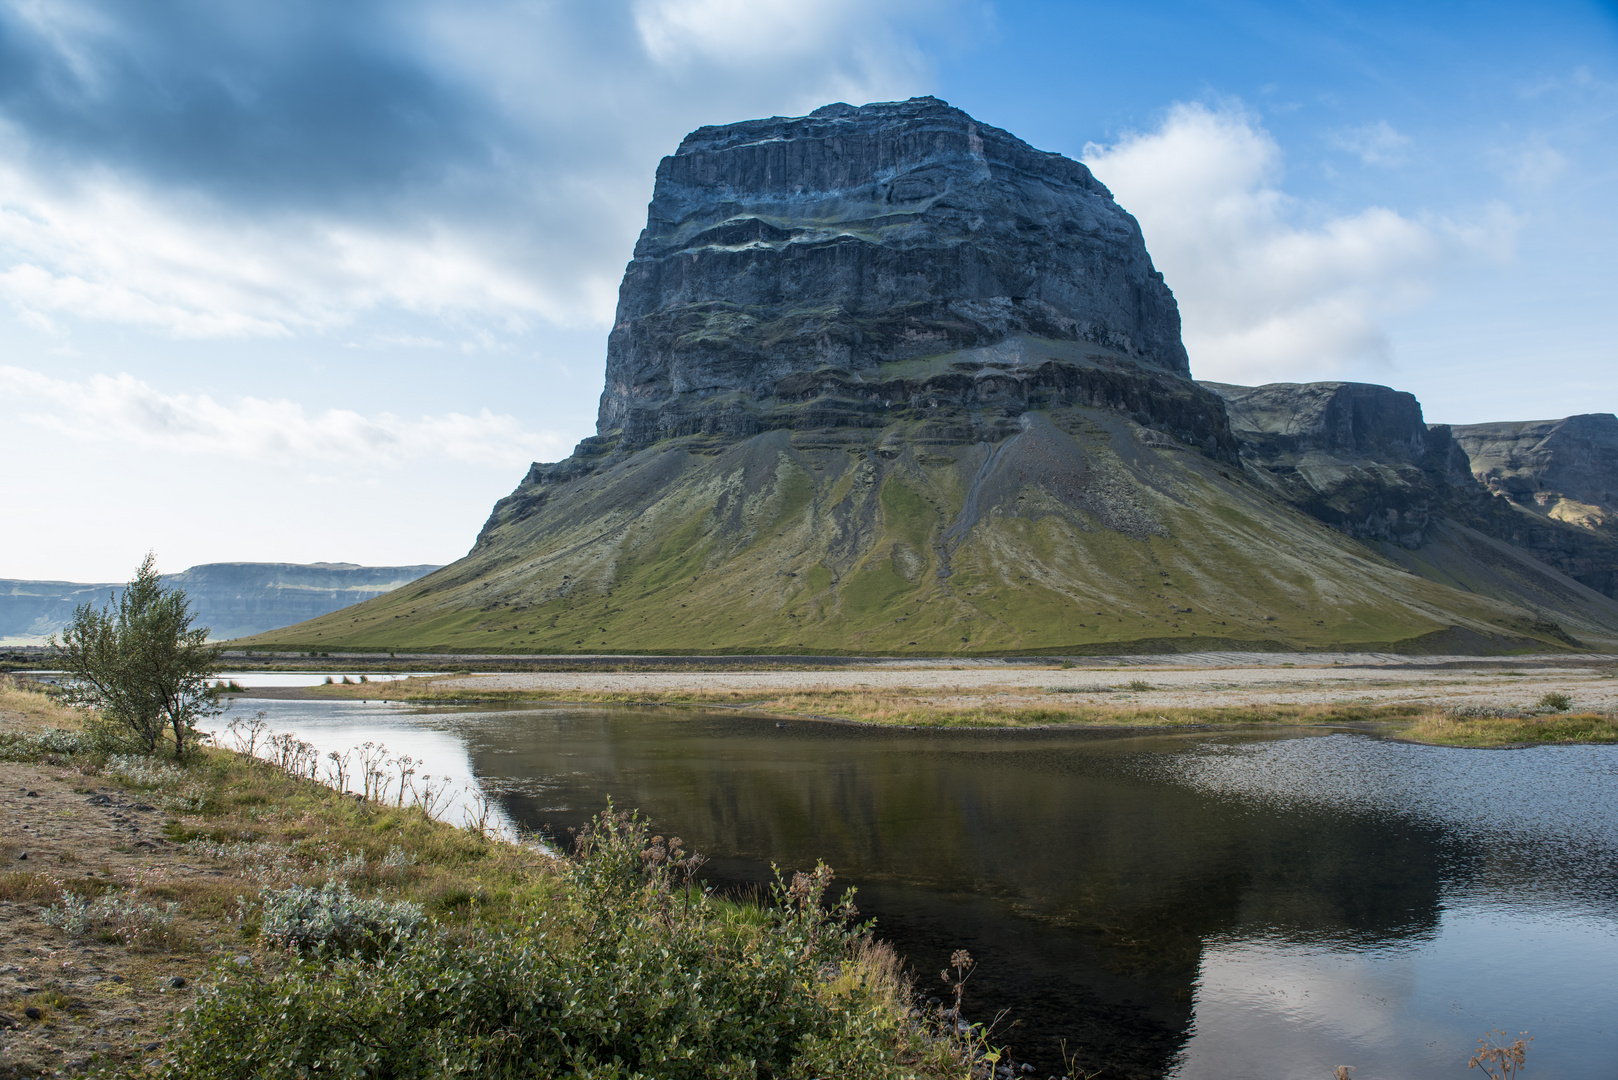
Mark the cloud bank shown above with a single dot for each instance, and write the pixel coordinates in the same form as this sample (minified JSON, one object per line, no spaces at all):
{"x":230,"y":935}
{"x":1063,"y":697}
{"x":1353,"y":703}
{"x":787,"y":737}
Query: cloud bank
{"x":1262,"y":296}
{"x":125,"y":410}
{"x":231,"y":168}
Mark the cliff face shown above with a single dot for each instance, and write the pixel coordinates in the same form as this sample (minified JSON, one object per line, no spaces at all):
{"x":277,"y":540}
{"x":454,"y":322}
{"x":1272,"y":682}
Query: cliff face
{"x":856,"y":237}
{"x":1362,"y":459}
{"x":1357,"y":456}
{"x":1563,"y":469}
{"x":1561,"y":478}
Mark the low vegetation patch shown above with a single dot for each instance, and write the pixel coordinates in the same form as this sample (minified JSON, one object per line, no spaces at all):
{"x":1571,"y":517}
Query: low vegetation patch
{"x":1461,"y":729}
{"x":279,"y":928}
{"x":634,"y":971}
{"x":1084,"y":705}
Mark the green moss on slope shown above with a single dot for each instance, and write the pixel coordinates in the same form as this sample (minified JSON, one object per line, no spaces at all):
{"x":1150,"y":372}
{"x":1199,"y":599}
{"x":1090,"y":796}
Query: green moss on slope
{"x":1057,"y":543}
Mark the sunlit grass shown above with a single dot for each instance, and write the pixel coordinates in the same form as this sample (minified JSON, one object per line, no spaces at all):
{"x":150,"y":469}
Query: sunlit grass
{"x":934,"y":707}
{"x":1446,"y":730}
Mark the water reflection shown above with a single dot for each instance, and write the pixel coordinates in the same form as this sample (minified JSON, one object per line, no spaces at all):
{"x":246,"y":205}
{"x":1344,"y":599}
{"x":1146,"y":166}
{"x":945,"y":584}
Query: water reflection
{"x":1191,"y":906}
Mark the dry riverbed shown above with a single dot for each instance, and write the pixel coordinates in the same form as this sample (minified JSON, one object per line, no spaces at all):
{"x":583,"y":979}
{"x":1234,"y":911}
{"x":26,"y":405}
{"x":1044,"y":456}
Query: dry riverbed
{"x":1451,"y":700}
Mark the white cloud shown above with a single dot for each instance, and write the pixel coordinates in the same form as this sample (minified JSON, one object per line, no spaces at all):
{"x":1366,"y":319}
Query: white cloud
{"x":737,"y":31}
{"x":1263,"y":298}
{"x":1375,"y":144}
{"x":103,"y":249}
{"x":527,"y":223}
{"x":123,"y":409}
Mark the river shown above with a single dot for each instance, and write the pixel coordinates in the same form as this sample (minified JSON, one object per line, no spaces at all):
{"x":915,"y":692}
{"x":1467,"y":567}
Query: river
{"x":1195,"y":905}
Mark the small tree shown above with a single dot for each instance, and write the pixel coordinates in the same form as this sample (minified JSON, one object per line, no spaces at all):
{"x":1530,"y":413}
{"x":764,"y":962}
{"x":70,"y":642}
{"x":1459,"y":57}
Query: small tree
{"x":139,"y":661}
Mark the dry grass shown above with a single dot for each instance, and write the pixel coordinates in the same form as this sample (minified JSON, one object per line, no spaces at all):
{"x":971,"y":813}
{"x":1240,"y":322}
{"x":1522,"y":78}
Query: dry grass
{"x":1443,"y":729}
{"x":944,"y":707}
{"x":23,"y":708}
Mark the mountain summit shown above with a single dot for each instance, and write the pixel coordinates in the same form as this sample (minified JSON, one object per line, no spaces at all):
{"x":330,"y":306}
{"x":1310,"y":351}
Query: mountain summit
{"x":887,"y":379}
{"x":854,"y":237}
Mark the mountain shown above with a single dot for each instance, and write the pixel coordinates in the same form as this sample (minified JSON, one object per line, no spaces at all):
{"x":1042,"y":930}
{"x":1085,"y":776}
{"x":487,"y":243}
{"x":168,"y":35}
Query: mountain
{"x":886,"y":379}
{"x":1473,"y":507}
{"x":234,"y":599}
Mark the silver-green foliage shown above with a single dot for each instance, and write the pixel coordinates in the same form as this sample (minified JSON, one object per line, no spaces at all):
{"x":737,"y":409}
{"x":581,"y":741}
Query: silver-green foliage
{"x":333,"y":919}
{"x":118,"y":913}
{"x":143,"y":772}
{"x":140,"y":664}
{"x":33,"y":745}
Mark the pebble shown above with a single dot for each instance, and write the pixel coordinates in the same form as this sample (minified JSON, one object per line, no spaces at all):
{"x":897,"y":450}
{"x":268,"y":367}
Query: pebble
{"x":243,"y":960}
{"x":178,"y":982}
{"x":33,"y":1012}
{"x":149,"y":1047}
{"x":22,"y":856}
{"x":33,"y":794}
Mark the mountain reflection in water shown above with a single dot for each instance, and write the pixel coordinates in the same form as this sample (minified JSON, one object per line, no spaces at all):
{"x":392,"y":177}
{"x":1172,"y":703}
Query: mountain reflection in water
{"x":1188,"y":905}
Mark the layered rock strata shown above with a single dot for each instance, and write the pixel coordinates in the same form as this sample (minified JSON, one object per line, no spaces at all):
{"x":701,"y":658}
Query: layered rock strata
{"x":855,"y":237}
{"x":1362,"y":459}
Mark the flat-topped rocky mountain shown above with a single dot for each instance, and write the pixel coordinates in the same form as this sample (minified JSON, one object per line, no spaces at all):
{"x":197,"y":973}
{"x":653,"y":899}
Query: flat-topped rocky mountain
{"x":1564,"y":469}
{"x":888,"y":379}
{"x":233,"y":599}
{"x":852,"y":238}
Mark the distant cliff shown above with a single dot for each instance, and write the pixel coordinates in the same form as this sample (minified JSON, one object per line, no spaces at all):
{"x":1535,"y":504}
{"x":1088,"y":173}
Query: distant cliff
{"x":234,"y":599}
{"x":1363,"y":459}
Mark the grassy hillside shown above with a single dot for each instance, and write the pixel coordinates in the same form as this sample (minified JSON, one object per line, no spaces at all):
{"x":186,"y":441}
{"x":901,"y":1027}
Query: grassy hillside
{"x":1083,"y":532}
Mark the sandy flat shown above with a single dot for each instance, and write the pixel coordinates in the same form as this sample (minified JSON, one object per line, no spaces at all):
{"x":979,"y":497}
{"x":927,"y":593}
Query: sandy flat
{"x":1591,"y":682}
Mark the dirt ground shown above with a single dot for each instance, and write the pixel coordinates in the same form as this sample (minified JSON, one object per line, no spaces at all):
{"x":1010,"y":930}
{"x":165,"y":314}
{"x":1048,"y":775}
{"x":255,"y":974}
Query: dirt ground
{"x":1215,"y":681}
{"x":94,"y":998}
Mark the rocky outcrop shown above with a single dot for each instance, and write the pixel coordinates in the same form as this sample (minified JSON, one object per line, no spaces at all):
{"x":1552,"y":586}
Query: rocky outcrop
{"x":1362,"y":459}
{"x":856,"y":237}
{"x":1564,"y":469}
{"x":1357,"y":456}
{"x":1561,"y":479}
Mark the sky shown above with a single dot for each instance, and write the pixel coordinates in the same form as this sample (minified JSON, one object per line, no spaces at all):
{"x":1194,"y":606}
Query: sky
{"x":317,"y":280}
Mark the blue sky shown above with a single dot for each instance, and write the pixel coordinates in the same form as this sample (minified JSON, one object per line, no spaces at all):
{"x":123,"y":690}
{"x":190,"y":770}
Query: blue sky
{"x":327,"y":276}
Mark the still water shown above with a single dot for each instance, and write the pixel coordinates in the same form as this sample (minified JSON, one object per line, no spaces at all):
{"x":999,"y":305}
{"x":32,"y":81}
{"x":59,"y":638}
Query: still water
{"x":1196,"y":906}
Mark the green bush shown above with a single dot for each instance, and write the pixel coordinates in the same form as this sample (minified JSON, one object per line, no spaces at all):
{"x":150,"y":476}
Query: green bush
{"x":636,"y":972}
{"x":1556,"y":702}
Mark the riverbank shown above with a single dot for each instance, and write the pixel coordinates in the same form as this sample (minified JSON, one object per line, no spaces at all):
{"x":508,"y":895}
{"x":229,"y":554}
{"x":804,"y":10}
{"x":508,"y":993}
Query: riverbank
{"x":127,"y":884}
{"x":1489,"y":705}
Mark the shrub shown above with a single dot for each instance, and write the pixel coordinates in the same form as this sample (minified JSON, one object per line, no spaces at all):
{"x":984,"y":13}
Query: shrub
{"x":637,"y":972}
{"x":143,"y":771}
{"x":1139,"y":684}
{"x":113,"y":913}
{"x":331,"y":919}
{"x":1556,"y":702}
{"x":1483,"y":712}
{"x":33,"y":745}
